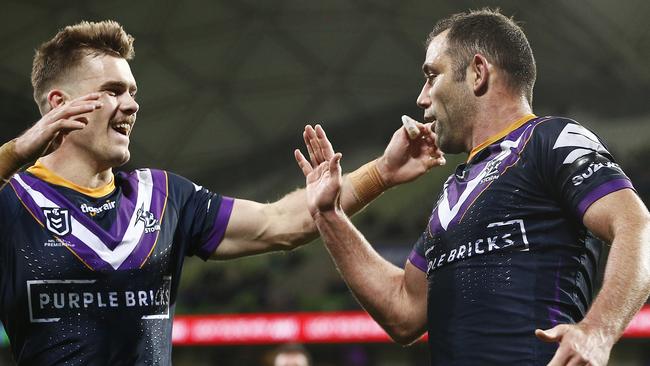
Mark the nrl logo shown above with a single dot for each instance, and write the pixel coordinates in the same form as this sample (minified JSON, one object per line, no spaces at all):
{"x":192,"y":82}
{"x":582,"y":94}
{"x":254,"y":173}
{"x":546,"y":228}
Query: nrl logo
{"x":57,"y":220}
{"x":148,"y":219}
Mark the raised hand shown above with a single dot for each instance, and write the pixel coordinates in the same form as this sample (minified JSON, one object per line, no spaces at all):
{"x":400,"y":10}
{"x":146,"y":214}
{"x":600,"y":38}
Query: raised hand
{"x":322,"y":172}
{"x":407,"y":158}
{"x":318,"y":145}
{"x":323,"y":185}
{"x":46,"y":134}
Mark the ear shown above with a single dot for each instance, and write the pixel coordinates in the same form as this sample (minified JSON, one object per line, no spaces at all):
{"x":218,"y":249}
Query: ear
{"x":56,"y":98}
{"x":479,"y":71}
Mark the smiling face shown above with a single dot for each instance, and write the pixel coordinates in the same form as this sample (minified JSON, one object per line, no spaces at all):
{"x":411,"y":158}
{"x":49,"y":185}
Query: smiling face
{"x":105,"y":139}
{"x":447,"y":101}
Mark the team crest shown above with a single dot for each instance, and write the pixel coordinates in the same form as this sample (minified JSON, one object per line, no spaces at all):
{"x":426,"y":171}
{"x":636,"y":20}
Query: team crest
{"x":150,"y":222}
{"x":57,"y":220}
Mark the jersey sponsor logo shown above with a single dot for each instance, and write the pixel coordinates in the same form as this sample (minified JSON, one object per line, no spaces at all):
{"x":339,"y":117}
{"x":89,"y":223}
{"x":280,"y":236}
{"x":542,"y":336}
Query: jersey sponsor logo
{"x":150,"y":222}
{"x":500,"y":235}
{"x":582,"y":139}
{"x":53,"y":300}
{"x":57,"y":220}
{"x":93,"y":211}
{"x":591,"y":169}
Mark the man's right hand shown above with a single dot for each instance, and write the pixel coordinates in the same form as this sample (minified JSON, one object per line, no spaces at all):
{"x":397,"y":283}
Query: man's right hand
{"x":323,"y":174}
{"x":407,"y":157}
{"x":46,"y":134}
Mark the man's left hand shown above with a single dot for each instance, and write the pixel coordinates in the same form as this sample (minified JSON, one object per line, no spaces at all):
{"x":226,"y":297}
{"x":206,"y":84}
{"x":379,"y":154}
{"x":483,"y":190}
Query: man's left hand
{"x":580,"y":344}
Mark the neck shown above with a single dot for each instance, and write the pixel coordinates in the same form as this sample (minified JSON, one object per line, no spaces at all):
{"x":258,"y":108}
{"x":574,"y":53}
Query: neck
{"x":495,"y":114}
{"x":77,"y":170}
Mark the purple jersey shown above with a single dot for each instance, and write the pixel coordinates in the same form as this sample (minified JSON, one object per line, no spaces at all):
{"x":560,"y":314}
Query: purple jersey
{"x":506,"y":251}
{"x":92,"y":279}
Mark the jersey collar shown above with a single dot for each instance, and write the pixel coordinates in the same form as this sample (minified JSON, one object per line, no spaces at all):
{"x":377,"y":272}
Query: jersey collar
{"x":40,"y":171}
{"x":501,"y":134}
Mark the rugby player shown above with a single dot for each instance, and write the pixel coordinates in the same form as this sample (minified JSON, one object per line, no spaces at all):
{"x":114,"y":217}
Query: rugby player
{"x":91,"y":259}
{"x":503,"y":274}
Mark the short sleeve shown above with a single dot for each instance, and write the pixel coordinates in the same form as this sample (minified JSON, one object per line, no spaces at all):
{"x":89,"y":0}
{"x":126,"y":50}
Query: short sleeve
{"x":417,"y":255}
{"x":203,"y":217}
{"x":576,"y":165}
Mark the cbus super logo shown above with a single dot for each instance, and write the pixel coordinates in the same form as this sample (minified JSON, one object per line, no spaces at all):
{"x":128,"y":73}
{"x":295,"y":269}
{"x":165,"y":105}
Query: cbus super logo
{"x":57,"y":220}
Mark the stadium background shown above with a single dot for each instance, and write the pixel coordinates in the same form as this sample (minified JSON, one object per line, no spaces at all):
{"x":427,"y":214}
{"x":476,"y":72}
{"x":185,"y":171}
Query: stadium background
{"x":225,"y":88}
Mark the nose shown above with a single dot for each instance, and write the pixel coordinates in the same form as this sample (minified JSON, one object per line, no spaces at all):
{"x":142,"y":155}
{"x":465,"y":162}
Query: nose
{"x":424,"y":99}
{"x":128,"y":105}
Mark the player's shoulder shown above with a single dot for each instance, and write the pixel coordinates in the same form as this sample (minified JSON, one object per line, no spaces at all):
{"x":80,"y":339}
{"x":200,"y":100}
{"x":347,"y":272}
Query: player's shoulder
{"x":560,"y":133}
{"x":550,"y":127}
{"x":554,"y":127}
{"x":559,"y":141}
{"x":7,"y":196}
{"x":174,"y":185}
{"x":175,"y":189}
{"x":10,"y":202}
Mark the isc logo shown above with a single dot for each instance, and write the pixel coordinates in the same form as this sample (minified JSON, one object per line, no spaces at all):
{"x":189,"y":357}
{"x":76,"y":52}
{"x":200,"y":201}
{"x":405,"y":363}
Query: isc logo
{"x":57,"y":220}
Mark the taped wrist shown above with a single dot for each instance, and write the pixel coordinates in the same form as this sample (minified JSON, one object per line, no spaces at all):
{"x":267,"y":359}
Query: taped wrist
{"x":9,"y":161}
{"x":367,"y":183}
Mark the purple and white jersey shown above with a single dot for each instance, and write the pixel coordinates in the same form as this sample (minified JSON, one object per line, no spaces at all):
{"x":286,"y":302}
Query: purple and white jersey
{"x":506,"y":251}
{"x":92,"y":280}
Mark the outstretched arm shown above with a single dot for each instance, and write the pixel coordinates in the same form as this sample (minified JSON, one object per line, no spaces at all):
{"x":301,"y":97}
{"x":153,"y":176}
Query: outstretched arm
{"x":623,"y":220}
{"x":45,"y":135}
{"x":285,"y":224}
{"x":394,"y":297}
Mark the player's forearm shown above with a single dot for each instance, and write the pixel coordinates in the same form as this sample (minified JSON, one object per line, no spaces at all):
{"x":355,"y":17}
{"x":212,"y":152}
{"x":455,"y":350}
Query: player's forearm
{"x":626,"y":284}
{"x":377,"y":284}
{"x":291,"y":225}
{"x":10,"y":162}
{"x":361,"y":187}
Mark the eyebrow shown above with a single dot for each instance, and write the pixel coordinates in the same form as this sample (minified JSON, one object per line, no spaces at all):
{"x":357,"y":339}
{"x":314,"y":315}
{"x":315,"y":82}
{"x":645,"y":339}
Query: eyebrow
{"x":427,"y":69}
{"x":119,"y":85}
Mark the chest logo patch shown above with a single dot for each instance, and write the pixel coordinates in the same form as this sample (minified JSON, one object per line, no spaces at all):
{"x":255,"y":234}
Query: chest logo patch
{"x":57,"y":220}
{"x":150,"y":222}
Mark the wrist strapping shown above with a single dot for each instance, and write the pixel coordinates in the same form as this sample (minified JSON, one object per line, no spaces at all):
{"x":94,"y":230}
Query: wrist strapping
{"x":367,"y":183}
{"x":9,"y":161}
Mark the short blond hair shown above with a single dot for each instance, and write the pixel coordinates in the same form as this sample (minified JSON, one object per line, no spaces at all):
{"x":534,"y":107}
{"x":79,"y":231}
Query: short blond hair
{"x":55,"y":58}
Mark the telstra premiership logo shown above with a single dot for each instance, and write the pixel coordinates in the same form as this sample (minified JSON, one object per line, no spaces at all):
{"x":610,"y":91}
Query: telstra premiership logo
{"x":57,"y":220}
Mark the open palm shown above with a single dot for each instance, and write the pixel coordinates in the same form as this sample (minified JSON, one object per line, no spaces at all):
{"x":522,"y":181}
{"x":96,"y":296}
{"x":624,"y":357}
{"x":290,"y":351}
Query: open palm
{"x":324,"y":185}
{"x":322,"y":171}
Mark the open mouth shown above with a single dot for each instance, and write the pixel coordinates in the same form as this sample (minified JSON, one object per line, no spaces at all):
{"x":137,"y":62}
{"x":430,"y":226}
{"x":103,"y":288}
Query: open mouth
{"x":122,"y":128}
